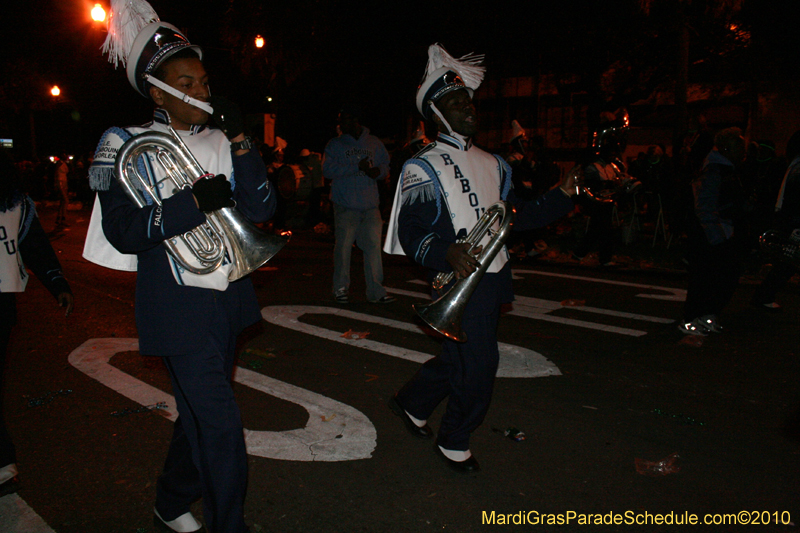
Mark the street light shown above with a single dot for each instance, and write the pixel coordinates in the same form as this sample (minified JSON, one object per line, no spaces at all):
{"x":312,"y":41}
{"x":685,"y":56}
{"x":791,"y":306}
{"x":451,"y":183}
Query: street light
{"x":259,"y":41}
{"x":98,"y":13}
{"x":55,"y":91}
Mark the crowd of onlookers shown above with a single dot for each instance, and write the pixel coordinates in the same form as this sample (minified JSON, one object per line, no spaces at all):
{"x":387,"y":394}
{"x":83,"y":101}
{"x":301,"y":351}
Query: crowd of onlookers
{"x":39,"y":178}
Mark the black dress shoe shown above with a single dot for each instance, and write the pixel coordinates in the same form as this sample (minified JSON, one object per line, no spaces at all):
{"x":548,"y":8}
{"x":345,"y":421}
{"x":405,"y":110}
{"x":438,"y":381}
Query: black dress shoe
{"x":463,"y":467}
{"x":423,"y":432}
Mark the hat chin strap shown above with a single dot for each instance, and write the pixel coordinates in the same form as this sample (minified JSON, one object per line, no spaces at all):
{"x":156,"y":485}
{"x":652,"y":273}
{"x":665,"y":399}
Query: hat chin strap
{"x":178,"y":94}
{"x":439,"y":114}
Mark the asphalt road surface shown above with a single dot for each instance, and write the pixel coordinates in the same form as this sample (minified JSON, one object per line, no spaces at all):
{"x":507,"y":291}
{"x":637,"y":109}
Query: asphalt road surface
{"x":594,"y":373}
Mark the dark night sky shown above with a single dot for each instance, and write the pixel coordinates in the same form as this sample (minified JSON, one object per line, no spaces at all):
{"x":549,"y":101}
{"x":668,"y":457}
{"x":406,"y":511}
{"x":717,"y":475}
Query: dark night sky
{"x":325,"y":52}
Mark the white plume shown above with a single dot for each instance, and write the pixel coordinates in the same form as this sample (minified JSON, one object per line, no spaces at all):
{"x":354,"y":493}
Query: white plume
{"x":125,"y":21}
{"x":469,"y":67}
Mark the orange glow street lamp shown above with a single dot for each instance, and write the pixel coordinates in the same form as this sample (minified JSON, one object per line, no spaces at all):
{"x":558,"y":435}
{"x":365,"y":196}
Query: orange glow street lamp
{"x":259,"y":41}
{"x":55,"y":90}
{"x":98,"y":13}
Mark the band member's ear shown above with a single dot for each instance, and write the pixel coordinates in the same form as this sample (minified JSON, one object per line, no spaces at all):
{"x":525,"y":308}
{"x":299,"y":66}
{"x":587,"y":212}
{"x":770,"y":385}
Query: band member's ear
{"x":157,"y":95}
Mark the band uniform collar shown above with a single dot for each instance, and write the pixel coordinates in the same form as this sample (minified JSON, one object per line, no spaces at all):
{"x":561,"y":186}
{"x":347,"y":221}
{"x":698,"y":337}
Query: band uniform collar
{"x":162,"y":117}
{"x":456,"y":140}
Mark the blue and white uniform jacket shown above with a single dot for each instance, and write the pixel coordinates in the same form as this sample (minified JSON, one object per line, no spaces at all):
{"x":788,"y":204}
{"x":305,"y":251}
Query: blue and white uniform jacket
{"x":443,"y":192}
{"x":24,"y":244}
{"x":174,"y":308}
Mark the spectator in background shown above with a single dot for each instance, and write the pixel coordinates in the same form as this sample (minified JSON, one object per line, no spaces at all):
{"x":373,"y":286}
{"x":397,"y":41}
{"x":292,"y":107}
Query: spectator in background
{"x":62,"y":186}
{"x":714,"y":254}
{"x":273,"y":159}
{"x":656,"y":173}
{"x":762,"y":174}
{"x":546,"y":173}
{"x":787,"y":225}
{"x":354,"y":162}
{"x":697,"y":143}
{"x":311,"y":165}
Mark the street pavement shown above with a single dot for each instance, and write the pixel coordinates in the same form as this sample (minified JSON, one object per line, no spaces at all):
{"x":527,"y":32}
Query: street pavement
{"x":622,"y":419}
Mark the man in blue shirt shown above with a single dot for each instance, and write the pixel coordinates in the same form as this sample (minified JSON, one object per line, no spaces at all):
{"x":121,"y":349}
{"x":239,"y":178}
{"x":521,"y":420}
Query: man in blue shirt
{"x":354,"y":162}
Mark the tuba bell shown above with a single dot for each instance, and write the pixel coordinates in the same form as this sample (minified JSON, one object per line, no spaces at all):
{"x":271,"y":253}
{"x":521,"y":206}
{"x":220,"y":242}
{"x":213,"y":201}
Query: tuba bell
{"x":445,"y":314}
{"x":248,"y":247}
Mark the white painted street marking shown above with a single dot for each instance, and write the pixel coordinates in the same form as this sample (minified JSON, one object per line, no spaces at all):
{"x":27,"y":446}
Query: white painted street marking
{"x":550,"y":305}
{"x":537,"y":309}
{"x":92,"y":358}
{"x":537,"y":314}
{"x":675,"y":295}
{"x":515,"y":361}
{"x":334,"y":431}
{"x":16,"y":516}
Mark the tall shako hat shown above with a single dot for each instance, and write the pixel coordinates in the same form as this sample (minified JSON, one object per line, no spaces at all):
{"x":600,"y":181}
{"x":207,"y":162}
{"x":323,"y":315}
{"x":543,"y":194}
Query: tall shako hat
{"x":140,"y":41}
{"x":445,"y":74}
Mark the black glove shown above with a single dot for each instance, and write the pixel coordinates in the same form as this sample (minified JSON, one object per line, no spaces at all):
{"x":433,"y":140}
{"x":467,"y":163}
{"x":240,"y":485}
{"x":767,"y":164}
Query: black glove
{"x":213,"y":193}
{"x":227,"y":116}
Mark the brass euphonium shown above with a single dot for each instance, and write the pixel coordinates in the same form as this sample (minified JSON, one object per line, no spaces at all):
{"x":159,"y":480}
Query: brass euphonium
{"x":249,"y":247}
{"x":445,"y":314}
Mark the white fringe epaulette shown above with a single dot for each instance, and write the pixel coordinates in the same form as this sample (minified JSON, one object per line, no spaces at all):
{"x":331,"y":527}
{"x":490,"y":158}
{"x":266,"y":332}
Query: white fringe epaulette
{"x":125,"y":21}
{"x":420,"y":189}
{"x":469,"y":67}
{"x":102,"y":170}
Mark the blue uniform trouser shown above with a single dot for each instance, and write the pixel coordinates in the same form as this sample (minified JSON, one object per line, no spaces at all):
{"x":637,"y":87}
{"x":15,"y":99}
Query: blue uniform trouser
{"x":8,"y":454}
{"x":364,"y":229}
{"x":713,"y":275}
{"x":464,"y":373}
{"x":207,"y":455}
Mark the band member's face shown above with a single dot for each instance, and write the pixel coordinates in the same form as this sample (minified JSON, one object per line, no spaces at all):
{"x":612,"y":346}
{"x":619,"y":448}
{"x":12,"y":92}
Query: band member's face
{"x":188,"y":76}
{"x":459,"y":111}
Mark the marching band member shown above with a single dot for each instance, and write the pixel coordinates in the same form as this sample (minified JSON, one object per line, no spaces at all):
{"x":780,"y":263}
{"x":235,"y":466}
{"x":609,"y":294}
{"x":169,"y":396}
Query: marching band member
{"x":605,"y":172}
{"x":24,"y":245}
{"x":191,"y":320}
{"x":443,"y":192}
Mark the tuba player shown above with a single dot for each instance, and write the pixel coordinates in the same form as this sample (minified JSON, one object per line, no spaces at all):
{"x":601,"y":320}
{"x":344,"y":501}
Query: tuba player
{"x":191,"y":320}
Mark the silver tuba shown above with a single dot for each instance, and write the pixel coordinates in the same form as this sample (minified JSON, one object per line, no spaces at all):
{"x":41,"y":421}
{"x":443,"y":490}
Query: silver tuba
{"x":249,"y":247}
{"x":444,"y":315}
